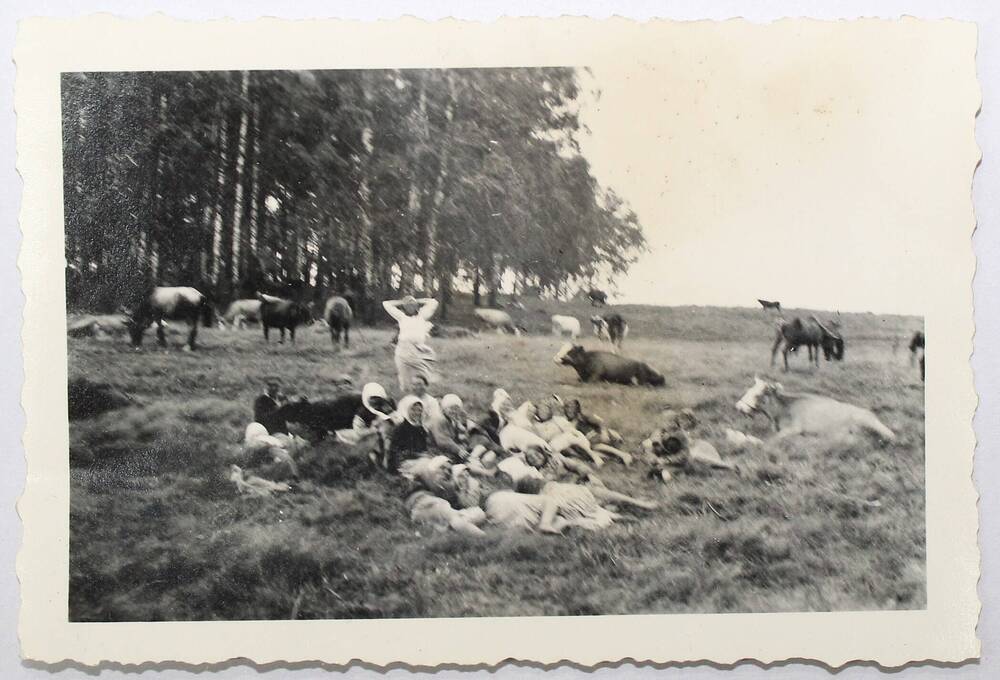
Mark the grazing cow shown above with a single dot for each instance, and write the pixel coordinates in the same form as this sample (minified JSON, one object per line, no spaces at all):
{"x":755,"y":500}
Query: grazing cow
{"x":767,"y":304}
{"x":814,"y":335}
{"x":803,"y":413}
{"x":318,"y":418}
{"x":599,"y":366}
{"x":338,"y":315}
{"x":498,"y":319}
{"x":282,"y":314}
{"x":917,"y":344}
{"x":240,"y":312}
{"x":598,"y":298}
{"x":176,"y":303}
{"x":565,"y":325}
{"x":612,"y":328}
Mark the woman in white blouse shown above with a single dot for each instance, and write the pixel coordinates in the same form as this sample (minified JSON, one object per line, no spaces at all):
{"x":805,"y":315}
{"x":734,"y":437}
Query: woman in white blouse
{"x":413,"y":355}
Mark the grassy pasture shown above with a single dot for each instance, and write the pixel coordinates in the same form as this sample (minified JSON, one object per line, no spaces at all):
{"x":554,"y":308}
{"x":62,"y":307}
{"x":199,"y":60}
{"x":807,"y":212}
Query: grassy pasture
{"x":157,"y":532}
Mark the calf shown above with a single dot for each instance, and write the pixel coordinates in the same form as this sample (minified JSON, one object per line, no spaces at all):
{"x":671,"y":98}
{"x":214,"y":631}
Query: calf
{"x":612,"y":328}
{"x":282,"y":314}
{"x":318,"y":418}
{"x":168,"y":302}
{"x":338,"y":315}
{"x":565,"y":325}
{"x":598,"y":366}
{"x":768,"y":304}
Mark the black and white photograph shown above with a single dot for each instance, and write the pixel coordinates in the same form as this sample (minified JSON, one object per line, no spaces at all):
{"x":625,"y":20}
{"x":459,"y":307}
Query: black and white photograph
{"x":633,"y":335}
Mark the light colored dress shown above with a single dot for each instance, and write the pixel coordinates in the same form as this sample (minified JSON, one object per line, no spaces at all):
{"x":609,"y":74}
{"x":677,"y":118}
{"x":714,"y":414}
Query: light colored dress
{"x":513,"y":510}
{"x":413,"y":355}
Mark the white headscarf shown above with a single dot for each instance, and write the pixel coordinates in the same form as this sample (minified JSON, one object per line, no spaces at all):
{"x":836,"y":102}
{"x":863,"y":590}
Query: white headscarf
{"x":403,"y":410}
{"x":450,"y":401}
{"x":369,"y":392}
{"x":499,"y":397}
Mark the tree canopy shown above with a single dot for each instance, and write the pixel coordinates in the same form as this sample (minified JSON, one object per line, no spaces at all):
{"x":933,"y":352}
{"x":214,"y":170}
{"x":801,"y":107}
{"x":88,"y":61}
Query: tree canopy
{"x":369,"y":182}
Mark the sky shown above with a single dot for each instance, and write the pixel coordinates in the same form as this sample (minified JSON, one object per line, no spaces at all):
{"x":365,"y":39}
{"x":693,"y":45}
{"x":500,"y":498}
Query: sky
{"x":793,"y":162}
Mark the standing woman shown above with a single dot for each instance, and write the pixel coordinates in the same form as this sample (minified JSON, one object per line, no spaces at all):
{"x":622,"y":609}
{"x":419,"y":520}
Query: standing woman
{"x":413,"y":355}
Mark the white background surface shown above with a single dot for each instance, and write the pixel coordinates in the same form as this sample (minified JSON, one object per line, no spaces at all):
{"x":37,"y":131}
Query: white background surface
{"x":987,"y":284}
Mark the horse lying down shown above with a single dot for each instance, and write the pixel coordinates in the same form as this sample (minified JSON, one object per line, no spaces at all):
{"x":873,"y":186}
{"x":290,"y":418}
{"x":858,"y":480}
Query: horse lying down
{"x":804,"y":413}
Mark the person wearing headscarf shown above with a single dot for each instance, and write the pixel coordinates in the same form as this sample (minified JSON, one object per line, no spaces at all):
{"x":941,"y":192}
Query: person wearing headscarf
{"x":418,"y":388}
{"x":409,"y":438}
{"x":369,"y":425}
{"x":413,"y":355}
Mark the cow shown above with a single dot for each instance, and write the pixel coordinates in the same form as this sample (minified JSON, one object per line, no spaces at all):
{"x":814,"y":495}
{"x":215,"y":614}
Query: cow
{"x":768,"y":304}
{"x":498,"y":319}
{"x":318,"y":418}
{"x":598,"y":298}
{"x":338,"y":316}
{"x":600,"y":366}
{"x":565,"y":325}
{"x":240,"y":312}
{"x":176,"y":303}
{"x":917,"y":344}
{"x":282,"y":314}
{"x":809,"y":414}
{"x":813,"y":335}
{"x":612,"y":328}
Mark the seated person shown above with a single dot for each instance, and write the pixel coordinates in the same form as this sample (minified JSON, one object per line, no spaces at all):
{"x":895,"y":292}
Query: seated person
{"x":267,"y":404}
{"x":455,"y":435}
{"x":369,"y":425}
{"x":561,"y":435}
{"x":590,"y":425}
{"x":409,"y":438}
{"x":418,"y":389}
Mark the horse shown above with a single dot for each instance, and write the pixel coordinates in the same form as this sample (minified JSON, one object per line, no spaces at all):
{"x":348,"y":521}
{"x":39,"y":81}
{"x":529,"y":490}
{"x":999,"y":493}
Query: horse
{"x":814,"y":335}
{"x":338,"y":315}
{"x":175,"y":303}
{"x":804,"y":413}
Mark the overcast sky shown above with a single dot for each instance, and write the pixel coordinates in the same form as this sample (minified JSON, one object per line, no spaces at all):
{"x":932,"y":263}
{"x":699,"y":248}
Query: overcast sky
{"x":806,"y":173}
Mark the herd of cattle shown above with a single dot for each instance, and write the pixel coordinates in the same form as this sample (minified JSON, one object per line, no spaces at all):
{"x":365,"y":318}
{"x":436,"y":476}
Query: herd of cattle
{"x":190,"y":306}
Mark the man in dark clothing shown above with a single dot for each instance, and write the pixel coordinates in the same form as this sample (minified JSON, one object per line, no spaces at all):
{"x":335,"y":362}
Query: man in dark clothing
{"x":267,"y":404}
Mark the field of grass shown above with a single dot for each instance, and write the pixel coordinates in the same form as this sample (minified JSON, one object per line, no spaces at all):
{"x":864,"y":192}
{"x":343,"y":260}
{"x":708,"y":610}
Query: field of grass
{"x":158,"y":533}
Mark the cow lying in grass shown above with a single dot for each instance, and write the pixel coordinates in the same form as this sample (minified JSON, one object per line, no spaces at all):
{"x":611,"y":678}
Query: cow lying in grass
{"x":804,"y":413}
{"x":598,"y":366}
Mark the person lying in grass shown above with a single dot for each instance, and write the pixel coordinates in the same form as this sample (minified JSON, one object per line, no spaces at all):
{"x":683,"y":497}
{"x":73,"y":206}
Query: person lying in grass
{"x":565,"y":438}
{"x":455,"y":435}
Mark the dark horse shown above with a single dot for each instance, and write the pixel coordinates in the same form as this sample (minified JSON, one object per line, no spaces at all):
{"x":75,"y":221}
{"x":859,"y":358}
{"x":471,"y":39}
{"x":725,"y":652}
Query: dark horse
{"x":917,"y":343}
{"x":814,"y":335}
{"x":338,"y":315}
{"x":174,"y":303}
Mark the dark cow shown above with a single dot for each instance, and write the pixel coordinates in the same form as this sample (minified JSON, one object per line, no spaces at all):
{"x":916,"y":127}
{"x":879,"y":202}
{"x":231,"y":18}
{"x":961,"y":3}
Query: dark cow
{"x":611,"y":327}
{"x":917,"y":343}
{"x":174,"y":303}
{"x":597,"y":297}
{"x":320,"y":418}
{"x":812,"y":334}
{"x":282,"y":314}
{"x":768,"y":304}
{"x":598,"y":366}
{"x":338,"y":316}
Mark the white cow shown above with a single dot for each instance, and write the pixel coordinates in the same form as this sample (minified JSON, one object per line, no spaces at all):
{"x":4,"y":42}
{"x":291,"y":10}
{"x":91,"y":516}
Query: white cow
{"x":565,"y":325}
{"x":240,"y":312}
{"x":804,"y":413}
{"x":498,"y":319}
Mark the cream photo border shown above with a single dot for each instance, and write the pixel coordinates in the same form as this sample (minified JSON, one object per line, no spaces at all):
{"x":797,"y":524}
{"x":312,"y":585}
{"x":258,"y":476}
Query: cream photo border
{"x":944,"y":631}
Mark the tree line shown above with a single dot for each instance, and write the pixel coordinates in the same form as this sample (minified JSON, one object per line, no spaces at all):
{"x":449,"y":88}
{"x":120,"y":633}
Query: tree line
{"x":372,"y":183}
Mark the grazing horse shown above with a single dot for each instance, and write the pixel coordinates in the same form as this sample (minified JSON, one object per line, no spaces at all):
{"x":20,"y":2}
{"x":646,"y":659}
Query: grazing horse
{"x":768,"y":304}
{"x":338,"y":315}
{"x":282,"y":314}
{"x":917,"y":343}
{"x":803,"y":413}
{"x":598,"y":298}
{"x":814,"y":335}
{"x":175,"y":303}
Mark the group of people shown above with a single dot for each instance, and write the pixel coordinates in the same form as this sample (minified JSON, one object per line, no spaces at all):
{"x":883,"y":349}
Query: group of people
{"x":531,"y":465}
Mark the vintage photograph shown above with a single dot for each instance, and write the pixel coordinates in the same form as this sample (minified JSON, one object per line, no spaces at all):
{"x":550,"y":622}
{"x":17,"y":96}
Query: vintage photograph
{"x":555,"y":340}
{"x":395,"y":343}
